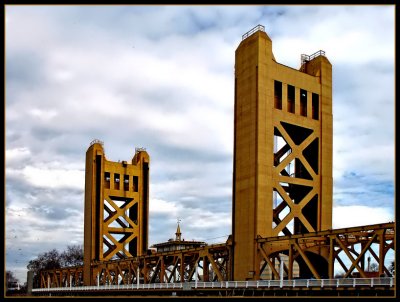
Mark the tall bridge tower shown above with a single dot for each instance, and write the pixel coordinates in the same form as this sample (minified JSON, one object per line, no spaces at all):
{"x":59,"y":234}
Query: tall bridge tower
{"x":282,"y":181}
{"x":116,"y":208}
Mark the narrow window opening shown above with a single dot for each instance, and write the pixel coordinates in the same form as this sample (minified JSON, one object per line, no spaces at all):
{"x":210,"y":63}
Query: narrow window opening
{"x":315,"y":106}
{"x":107,"y":180}
{"x":303,"y":102}
{"x":291,"y":98}
{"x":116,"y":181}
{"x":126,"y":182}
{"x":278,"y":95}
{"x":135,"y":184}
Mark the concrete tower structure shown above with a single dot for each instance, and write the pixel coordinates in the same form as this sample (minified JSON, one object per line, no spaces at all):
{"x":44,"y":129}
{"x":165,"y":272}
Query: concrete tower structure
{"x":282,"y":148}
{"x":116,"y":207}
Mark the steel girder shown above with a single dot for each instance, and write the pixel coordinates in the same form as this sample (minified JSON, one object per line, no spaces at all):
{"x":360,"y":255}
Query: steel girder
{"x":208,"y":263}
{"x":316,"y":253}
{"x":62,"y":277}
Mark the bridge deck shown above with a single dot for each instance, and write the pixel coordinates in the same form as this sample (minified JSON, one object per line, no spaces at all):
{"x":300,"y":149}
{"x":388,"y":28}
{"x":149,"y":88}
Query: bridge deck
{"x":334,"y":286}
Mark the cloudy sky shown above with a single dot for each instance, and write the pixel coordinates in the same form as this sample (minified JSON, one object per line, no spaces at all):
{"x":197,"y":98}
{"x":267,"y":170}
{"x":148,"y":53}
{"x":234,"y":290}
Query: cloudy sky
{"x":161,"y":77}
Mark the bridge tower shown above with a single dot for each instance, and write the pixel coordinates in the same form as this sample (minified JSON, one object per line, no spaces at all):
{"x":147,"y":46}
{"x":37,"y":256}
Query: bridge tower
{"x":116,"y":208}
{"x":282,"y":180}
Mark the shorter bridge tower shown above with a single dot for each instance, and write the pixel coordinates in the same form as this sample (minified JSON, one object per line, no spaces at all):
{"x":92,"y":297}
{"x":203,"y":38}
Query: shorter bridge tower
{"x":116,"y":207}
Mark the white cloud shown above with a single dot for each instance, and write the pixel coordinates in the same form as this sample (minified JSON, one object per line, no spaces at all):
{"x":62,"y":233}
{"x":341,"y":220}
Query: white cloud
{"x":158,"y":206}
{"x":43,"y":114}
{"x":351,"y":35}
{"x":45,"y":177}
{"x":17,"y":154}
{"x":358,"y":215}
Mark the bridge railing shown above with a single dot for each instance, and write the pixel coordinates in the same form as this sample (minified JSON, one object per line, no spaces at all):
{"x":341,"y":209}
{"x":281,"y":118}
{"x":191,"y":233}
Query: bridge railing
{"x":295,"y":283}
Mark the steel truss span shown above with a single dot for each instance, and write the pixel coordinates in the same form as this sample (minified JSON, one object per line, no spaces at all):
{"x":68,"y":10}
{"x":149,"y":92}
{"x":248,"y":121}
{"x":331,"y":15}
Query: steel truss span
{"x":347,"y":247}
{"x":210,"y":266}
{"x":208,"y":263}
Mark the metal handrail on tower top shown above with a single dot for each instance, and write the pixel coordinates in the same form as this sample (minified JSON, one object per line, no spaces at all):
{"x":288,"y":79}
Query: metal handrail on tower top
{"x":139,"y":149}
{"x":307,"y":58}
{"x":96,"y":141}
{"x":253,"y":30}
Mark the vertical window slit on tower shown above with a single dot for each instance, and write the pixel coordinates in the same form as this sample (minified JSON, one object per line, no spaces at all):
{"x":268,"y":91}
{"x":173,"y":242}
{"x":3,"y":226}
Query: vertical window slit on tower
{"x":290,"y":98}
{"x":126,"y":182}
{"x":303,"y":102}
{"x":116,"y":181}
{"x":315,"y":106}
{"x":278,"y":95}
{"x":135,"y":184}
{"x":107,"y":180}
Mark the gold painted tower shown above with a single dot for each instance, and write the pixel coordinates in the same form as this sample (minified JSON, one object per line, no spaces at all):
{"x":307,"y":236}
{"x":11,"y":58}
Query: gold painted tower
{"x":116,"y":207}
{"x":282,"y":181}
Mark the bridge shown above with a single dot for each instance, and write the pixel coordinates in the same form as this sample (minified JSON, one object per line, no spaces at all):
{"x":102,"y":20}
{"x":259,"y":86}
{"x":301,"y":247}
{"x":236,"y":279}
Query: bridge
{"x":168,"y":272}
{"x":282,"y":240}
